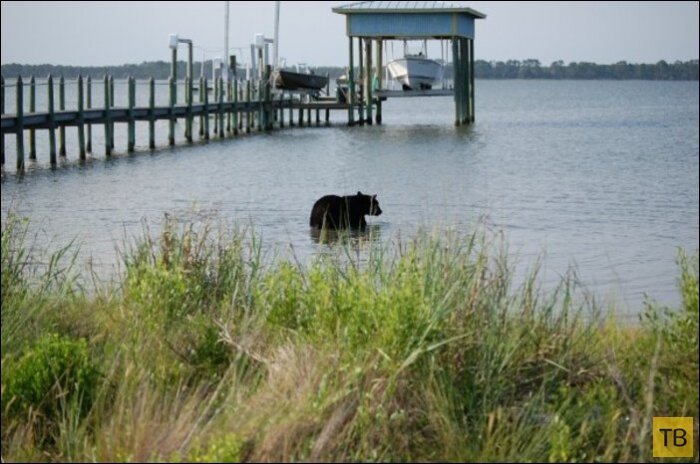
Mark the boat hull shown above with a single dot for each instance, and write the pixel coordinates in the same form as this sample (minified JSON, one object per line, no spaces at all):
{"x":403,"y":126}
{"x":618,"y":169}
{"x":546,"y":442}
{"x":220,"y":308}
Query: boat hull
{"x":288,"y":80}
{"x":415,"y":72}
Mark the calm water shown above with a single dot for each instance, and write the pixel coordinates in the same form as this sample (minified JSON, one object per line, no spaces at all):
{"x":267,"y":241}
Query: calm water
{"x":598,"y":175}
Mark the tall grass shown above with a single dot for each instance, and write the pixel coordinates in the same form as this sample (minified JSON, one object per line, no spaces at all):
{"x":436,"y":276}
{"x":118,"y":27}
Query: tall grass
{"x":424,"y":351}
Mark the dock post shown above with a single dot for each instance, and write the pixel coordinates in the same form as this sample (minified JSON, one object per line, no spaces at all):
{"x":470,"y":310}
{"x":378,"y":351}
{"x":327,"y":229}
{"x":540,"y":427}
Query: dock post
{"x":32,"y":109}
{"x":247,"y":105}
{"x":471,"y":79}
{"x":456,"y":78}
{"x":308,"y":116}
{"x":282,"y":110}
{"x":131,"y":123}
{"x":291,"y":113}
{"x":269,"y":106}
{"x":111,"y":105}
{"x":301,"y":116}
{"x":363,"y":89}
{"x":202,"y":91}
{"x":20,"y":125}
{"x":318,"y":117}
{"x":81,"y":118}
{"x":52,"y":121}
{"x":89,"y":106}
{"x":328,"y":117}
{"x":229,"y":99}
{"x":235,"y":104}
{"x":188,"y":109}
{"x":368,"y":80}
{"x":171,"y":104}
{"x":61,"y":107}
{"x":220,"y":109}
{"x":380,"y":75}
{"x":108,"y":123}
{"x":351,"y":87}
{"x":216,"y":103}
{"x":206,"y":111}
{"x":259,"y":95}
{"x":151,"y":113}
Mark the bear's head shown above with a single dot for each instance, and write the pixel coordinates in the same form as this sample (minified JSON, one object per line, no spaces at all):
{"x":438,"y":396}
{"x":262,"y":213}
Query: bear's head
{"x":373,"y":208}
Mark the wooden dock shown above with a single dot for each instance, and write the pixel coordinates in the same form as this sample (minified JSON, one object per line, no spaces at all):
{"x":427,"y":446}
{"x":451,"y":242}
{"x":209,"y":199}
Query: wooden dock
{"x":237,"y":107}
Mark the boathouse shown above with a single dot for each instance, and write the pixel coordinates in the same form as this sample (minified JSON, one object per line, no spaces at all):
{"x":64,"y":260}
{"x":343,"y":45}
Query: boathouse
{"x":374,"y":22}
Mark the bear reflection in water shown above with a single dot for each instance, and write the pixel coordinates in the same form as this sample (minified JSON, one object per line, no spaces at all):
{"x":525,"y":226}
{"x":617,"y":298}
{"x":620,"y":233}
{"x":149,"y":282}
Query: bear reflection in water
{"x":360,"y":237}
{"x":348,"y":212}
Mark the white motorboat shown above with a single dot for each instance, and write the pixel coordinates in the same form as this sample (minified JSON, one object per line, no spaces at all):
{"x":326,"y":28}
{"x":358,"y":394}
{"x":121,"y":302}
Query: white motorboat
{"x":416,"y":72}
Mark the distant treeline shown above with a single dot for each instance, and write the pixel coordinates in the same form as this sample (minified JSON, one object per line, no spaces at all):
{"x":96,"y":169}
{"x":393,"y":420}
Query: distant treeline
{"x":511,"y":69}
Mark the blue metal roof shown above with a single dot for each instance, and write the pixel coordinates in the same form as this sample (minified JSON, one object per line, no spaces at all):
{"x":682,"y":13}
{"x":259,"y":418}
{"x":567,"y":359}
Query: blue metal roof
{"x":407,"y":7}
{"x":409,"y":20}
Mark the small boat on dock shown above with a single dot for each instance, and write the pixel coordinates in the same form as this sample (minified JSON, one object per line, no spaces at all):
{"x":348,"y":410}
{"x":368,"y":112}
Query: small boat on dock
{"x":290,"y":80}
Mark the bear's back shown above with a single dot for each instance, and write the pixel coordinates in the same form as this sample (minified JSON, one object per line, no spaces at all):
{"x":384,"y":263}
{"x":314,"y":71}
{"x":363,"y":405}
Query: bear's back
{"x":328,"y":211}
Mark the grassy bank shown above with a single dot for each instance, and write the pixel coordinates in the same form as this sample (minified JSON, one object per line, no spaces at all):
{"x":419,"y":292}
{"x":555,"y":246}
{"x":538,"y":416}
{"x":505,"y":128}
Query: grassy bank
{"x":424,"y":351}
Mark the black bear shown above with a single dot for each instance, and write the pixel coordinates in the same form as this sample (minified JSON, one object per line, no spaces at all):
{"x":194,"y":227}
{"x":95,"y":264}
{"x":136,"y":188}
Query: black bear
{"x":334,"y":212}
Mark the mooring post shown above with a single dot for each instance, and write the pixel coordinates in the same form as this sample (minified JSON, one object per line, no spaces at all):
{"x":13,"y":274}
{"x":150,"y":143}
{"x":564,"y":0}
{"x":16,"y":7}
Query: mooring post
{"x":361,"y":78}
{"x":131,"y":122}
{"x":81,"y":118}
{"x":220,"y":109}
{"x":52,"y":121}
{"x":108,"y":118}
{"x":456,"y":78}
{"x":111,"y":105}
{"x":20,"y":125}
{"x":380,"y":76}
{"x":151,"y":113}
{"x":206,"y":110}
{"x":471,"y":79}
{"x":202,"y":91}
{"x":281,"y":108}
{"x":241,"y":98}
{"x":235,"y":103}
{"x":465,"y":80}
{"x":351,"y":87}
{"x":229,"y":99}
{"x":89,"y":106}
{"x":62,"y":107}
{"x":171,"y":105}
{"x":247,"y":106}
{"x":32,"y":109}
{"x":216,"y":103}
{"x":368,"y":79}
{"x":269,"y":110}
{"x":188,"y":109}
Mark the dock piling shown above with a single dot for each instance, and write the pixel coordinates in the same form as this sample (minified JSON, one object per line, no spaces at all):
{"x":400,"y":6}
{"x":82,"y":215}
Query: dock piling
{"x":52,"y":121}
{"x":131,"y":124}
{"x":32,"y":109}
{"x":151,"y":113}
{"x":108,"y":125}
{"x":20,"y":125}
{"x":62,"y":107}
{"x":81,"y":118}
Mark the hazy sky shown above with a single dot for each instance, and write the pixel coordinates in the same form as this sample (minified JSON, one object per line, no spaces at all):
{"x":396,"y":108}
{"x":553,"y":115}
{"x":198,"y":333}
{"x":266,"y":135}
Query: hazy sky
{"x":113,"y":33}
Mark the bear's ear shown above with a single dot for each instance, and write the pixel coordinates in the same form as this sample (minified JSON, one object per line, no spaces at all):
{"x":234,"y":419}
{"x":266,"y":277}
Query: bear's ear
{"x":359,"y":193}
{"x":374,"y":197}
